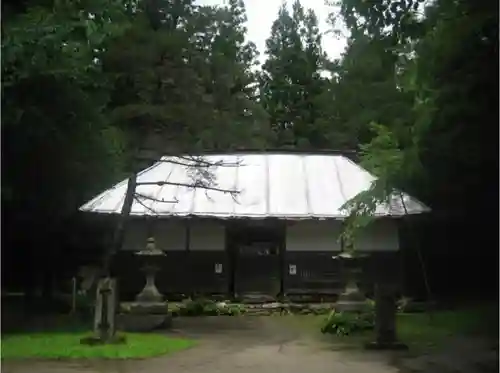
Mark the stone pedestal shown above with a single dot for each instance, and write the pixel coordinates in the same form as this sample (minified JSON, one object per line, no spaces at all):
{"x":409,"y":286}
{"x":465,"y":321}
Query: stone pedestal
{"x":351,"y":299}
{"x":144,"y":317}
{"x":150,"y":293}
{"x":385,"y":318}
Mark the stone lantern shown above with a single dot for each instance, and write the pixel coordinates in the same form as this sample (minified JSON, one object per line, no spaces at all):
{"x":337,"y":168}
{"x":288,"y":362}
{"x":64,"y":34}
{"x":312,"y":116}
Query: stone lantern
{"x":150,"y":256}
{"x":351,"y":299}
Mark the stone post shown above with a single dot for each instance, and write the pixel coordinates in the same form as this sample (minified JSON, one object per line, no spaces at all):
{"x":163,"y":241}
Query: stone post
{"x":105,"y":310}
{"x":385,"y":318}
{"x":105,"y":315}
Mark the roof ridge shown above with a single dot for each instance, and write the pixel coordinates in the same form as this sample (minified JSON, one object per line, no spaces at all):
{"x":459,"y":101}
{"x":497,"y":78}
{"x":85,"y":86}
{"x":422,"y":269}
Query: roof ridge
{"x":345,"y":152}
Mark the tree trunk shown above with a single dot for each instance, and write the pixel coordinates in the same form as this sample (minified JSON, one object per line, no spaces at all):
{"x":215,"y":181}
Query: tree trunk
{"x":121,"y":225}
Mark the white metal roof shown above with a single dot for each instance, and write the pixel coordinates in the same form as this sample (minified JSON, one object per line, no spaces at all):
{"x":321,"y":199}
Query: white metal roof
{"x":286,"y":186}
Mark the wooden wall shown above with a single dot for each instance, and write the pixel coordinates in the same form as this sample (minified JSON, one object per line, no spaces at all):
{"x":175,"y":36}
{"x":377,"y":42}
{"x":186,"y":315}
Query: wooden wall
{"x":192,"y":252}
{"x":257,"y":274}
{"x":321,"y":236}
{"x":317,"y":273}
{"x":181,"y":273}
{"x":192,"y":255}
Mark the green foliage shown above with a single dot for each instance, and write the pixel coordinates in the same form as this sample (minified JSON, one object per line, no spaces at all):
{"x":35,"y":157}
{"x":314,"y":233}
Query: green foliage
{"x":170,"y":71}
{"x":367,"y":90}
{"x":237,"y":309}
{"x":52,"y":42}
{"x":417,"y":330}
{"x":217,"y":309}
{"x":52,"y":88}
{"x":206,"y":307}
{"x":383,"y":157}
{"x":85,"y":85}
{"x":462,"y":137}
{"x":348,"y":323}
{"x":398,"y":19}
{"x":436,"y":96}
{"x":195,"y":307}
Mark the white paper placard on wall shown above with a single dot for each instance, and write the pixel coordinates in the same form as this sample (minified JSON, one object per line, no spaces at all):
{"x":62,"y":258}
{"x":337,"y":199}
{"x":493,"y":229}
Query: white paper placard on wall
{"x":292,"y":269}
{"x":218,"y":267}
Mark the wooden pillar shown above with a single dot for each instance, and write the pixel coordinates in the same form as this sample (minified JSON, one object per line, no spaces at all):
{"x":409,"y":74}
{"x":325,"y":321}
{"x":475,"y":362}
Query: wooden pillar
{"x":282,"y":254}
{"x":150,"y":227}
{"x":187,"y":238}
{"x":231,"y":260}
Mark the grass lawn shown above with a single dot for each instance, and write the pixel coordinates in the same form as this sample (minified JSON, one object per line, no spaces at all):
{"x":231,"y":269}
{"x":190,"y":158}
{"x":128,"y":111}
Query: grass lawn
{"x":59,"y":338}
{"x":67,"y":346}
{"x":419,"y":331}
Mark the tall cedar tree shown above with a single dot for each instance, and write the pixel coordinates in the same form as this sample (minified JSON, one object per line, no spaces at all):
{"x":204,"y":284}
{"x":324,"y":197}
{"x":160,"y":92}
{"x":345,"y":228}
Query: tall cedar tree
{"x":183,"y":79}
{"x":290,"y":82}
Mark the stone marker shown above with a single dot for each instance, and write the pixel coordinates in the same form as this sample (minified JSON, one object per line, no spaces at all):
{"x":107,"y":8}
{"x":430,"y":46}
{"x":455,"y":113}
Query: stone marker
{"x":105,"y":309}
{"x":105,"y":314}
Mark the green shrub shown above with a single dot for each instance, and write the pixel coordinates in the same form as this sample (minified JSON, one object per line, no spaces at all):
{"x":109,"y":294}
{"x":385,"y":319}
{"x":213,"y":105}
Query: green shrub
{"x":195,"y":307}
{"x":205,"y":307}
{"x":346,"y":323}
{"x":211,"y":309}
{"x":236,"y":309}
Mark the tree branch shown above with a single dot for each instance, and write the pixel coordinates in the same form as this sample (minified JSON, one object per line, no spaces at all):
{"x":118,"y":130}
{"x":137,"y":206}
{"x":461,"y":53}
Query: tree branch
{"x":170,"y":161}
{"x":195,"y":185}
{"x":198,"y":162}
{"x":145,"y":206}
{"x":201,"y":161}
{"x":140,"y":195}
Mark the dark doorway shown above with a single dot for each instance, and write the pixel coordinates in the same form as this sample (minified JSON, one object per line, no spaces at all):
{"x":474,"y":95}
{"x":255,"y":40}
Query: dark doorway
{"x":256,"y":251}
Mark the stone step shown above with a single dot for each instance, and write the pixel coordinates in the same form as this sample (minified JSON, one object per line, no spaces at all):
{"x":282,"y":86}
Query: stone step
{"x":139,"y":308}
{"x":256,"y":298}
{"x":288,"y":308}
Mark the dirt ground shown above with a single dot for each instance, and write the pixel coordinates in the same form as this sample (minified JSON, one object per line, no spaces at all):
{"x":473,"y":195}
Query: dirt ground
{"x":246,"y":345}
